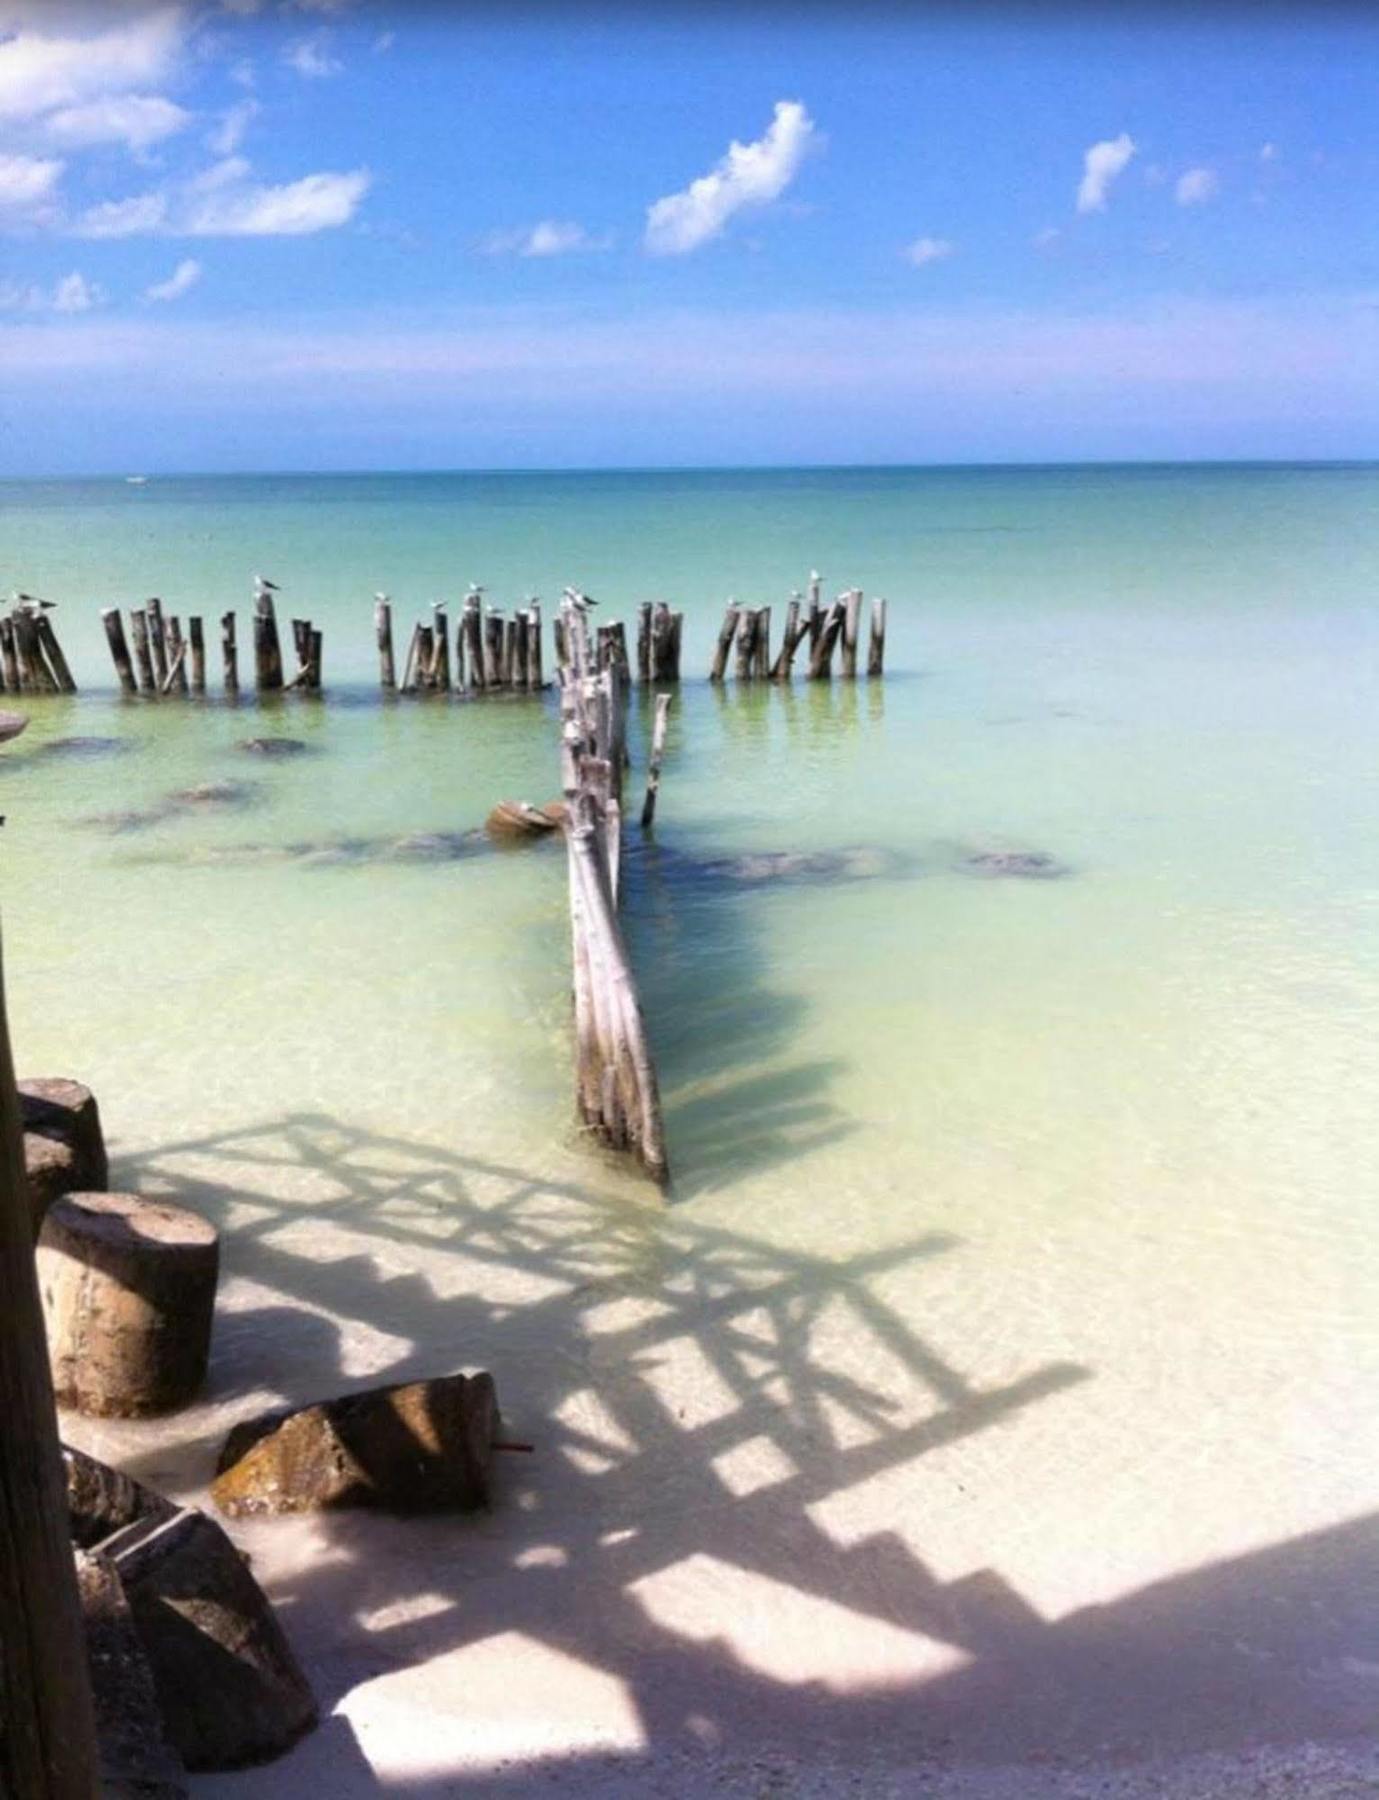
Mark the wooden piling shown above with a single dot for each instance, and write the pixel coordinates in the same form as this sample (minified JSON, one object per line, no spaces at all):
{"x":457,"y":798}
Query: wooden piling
{"x":727,"y":631}
{"x":157,"y":641}
{"x":852,"y":612}
{"x":119,"y":648}
{"x":521,"y":641}
{"x":198,"y":653}
{"x":409,"y":668}
{"x":677,"y":632}
{"x":780,"y":669}
{"x":426,"y":649}
{"x":493,"y":648}
{"x":658,"y":750}
{"x":816,"y":615}
{"x":440,"y":648}
{"x":10,"y":658}
{"x":876,"y":649}
{"x":535,"y":678}
{"x":474,"y":640}
{"x":143,"y":655}
{"x":42,"y":680}
{"x":229,"y":652}
{"x":644,"y":642}
{"x":313,"y":679}
{"x":383,"y":631}
{"x":821,"y":659}
{"x":457,"y":675}
{"x":761,"y":665}
{"x":48,"y":1741}
{"x":47,"y":638}
{"x":747,"y":644}
{"x":177,"y":656}
{"x":268,"y":662}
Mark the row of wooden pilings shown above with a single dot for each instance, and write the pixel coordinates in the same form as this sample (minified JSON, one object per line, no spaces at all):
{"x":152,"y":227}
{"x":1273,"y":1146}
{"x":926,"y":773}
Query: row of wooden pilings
{"x":617,"y":1094}
{"x":165,"y":662}
{"x":31,"y":659}
{"x":837,"y":626}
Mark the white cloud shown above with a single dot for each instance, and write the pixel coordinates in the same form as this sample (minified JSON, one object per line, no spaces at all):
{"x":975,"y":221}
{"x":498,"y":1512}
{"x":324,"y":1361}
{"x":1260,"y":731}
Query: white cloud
{"x":1101,"y":164}
{"x":928,"y":250}
{"x":220,"y":174}
{"x":40,"y":73}
{"x":1268,"y":152}
{"x":749,"y":175}
{"x":234,"y":123}
{"x":317,"y":6}
{"x":315,"y":203}
{"x":27,"y":181}
{"x":311,"y":58}
{"x":184,"y":277}
{"x":75,"y":294}
{"x":1195,"y":187}
{"x":136,"y":120}
{"x":549,"y":237}
{"x":123,"y":218}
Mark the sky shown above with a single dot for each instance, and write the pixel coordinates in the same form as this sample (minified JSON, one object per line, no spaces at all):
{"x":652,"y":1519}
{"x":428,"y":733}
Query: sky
{"x":333,"y":234}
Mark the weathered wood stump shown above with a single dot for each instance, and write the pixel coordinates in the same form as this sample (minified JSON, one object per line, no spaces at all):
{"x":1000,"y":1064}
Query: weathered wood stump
{"x":136,"y":1760}
{"x":230,"y":1688}
{"x":421,"y":1446}
{"x":64,"y":1148}
{"x":102,"y":1500}
{"x":520,"y":819}
{"x":128,"y":1290}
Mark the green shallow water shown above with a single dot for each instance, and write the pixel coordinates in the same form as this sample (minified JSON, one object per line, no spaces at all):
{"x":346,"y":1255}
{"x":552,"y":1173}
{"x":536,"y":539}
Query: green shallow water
{"x":1139,"y":1099}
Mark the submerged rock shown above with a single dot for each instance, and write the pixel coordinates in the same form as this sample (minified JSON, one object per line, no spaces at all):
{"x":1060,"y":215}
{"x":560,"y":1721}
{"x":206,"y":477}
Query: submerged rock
{"x":1017,"y":865}
{"x":810,"y":865}
{"x":515,"y":821}
{"x":215,"y":793}
{"x":273,"y":746}
{"x":420,"y":1446}
{"x":183,"y":800}
{"x":83,"y":746}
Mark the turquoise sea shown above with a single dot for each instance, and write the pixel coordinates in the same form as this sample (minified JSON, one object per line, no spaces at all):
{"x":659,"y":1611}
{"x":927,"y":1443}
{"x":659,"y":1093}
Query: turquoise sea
{"x":1101,"y":1143}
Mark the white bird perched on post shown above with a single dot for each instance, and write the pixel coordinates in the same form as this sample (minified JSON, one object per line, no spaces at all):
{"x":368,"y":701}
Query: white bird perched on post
{"x":262,"y":585}
{"x":31,"y":603}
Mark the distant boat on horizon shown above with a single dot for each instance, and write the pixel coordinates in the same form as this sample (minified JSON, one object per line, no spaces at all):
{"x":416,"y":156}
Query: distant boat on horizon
{"x":136,"y":480}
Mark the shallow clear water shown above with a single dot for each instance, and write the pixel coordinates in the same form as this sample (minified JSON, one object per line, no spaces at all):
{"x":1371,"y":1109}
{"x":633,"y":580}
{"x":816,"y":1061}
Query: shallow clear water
{"x":1116,"y":1128}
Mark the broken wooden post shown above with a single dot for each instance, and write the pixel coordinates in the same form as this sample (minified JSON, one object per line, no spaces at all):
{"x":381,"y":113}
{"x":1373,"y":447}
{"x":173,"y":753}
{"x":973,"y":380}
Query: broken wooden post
{"x":820,"y":662}
{"x":268,"y":662}
{"x":426,"y":650}
{"x":644,"y":642}
{"x":440,"y":647}
{"x":229,"y":652}
{"x":48,"y":1743}
{"x":143,"y":654}
{"x":519,"y":649}
{"x":493,"y":648}
{"x":852,"y":610}
{"x":876,"y":649}
{"x":660,"y":642}
{"x":198,"y":644}
{"x":780,"y":669}
{"x":816,"y":616}
{"x":653,"y":769}
{"x":177,"y":656}
{"x":128,"y":1288}
{"x":383,"y":631}
{"x":157,"y":642}
{"x":47,"y":638}
{"x":119,"y":648}
{"x":474,"y":638}
{"x":726,"y":633}
{"x":747,"y":644}
{"x":535,"y":678}
{"x":41,"y":679}
{"x":761,"y":665}
{"x":313,"y":677}
{"x":409,"y":667}
{"x":9,"y":657}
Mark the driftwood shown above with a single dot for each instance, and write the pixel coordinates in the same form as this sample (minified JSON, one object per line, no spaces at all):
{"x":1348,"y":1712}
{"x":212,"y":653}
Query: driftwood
{"x":618,"y":1096}
{"x":128,"y":1287}
{"x":48,"y":1743}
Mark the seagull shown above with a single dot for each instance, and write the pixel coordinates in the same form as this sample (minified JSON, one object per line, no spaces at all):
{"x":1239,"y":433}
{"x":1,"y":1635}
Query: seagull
{"x":382,"y":597}
{"x":262,"y":581}
{"x":31,"y":604}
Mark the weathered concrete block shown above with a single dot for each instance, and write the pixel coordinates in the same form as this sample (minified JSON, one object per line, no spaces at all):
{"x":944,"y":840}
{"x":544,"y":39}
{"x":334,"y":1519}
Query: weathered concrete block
{"x":420,"y":1446}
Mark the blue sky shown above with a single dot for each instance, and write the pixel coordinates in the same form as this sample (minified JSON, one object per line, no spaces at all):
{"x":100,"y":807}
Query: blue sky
{"x":344,"y":234}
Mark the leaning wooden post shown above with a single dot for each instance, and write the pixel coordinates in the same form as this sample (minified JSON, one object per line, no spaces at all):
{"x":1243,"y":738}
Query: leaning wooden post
{"x":383,"y":631}
{"x":658,"y":750}
{"x":820,"y":662}
{"x":48,"y":1740}
{"x":876,"y":649}
{"x":409,"y":668}
{"x":47,"y":637}
{"x":157,"y":642}
{"x":37,"y":677}
{"x":177,"y":657}
{"x":198,"y":644}
{"x":780,"y":670}
{"x":229,"y":652}
{"x":268,"y":661}
{"x":852,"y":610}
{"x":119,"y":649}
{"x":143,"y":655}
{"x":726,"y":633}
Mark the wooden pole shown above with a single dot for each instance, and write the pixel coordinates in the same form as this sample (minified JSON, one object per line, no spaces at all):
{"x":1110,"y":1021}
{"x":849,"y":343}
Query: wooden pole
{"x":47,"y":638}
{"x":747,"y":644}
{"x":157,"y":642}
{"x":313,"y":679}
{"x":40,"y":678}
{"x":762,"y":661}
{"x":409,"y":668}
{"x":383,"y":631}
{"x":493,"y":648}
{"x":143,"y":655}
{"x":521,"y":636}
{"x":820,"y":662}
{"x":268,"y":662}
{"x":852,"y":611}
{"x":229,"y":652}
{"x":48,"y":1739}
{"x":119,"y":649}
{"x":726,"y":633}
{"x":644,"y":642}
{"x":780,"y":670}
{"x":658,"y":750}
{"x":440,"y":648}
{"x":459,"y":675}
{"x":677,"y":632}
{"x":816,"y":615}
{"x":198,"y":644}
{"x":426,"y":649}
{"x":177,"y":657}
{"x":876,"y":650}
{"x":10,"y":658}
{"x":507,"y":669}
{"x":535,"y":679}
{"x":474,"y":638}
